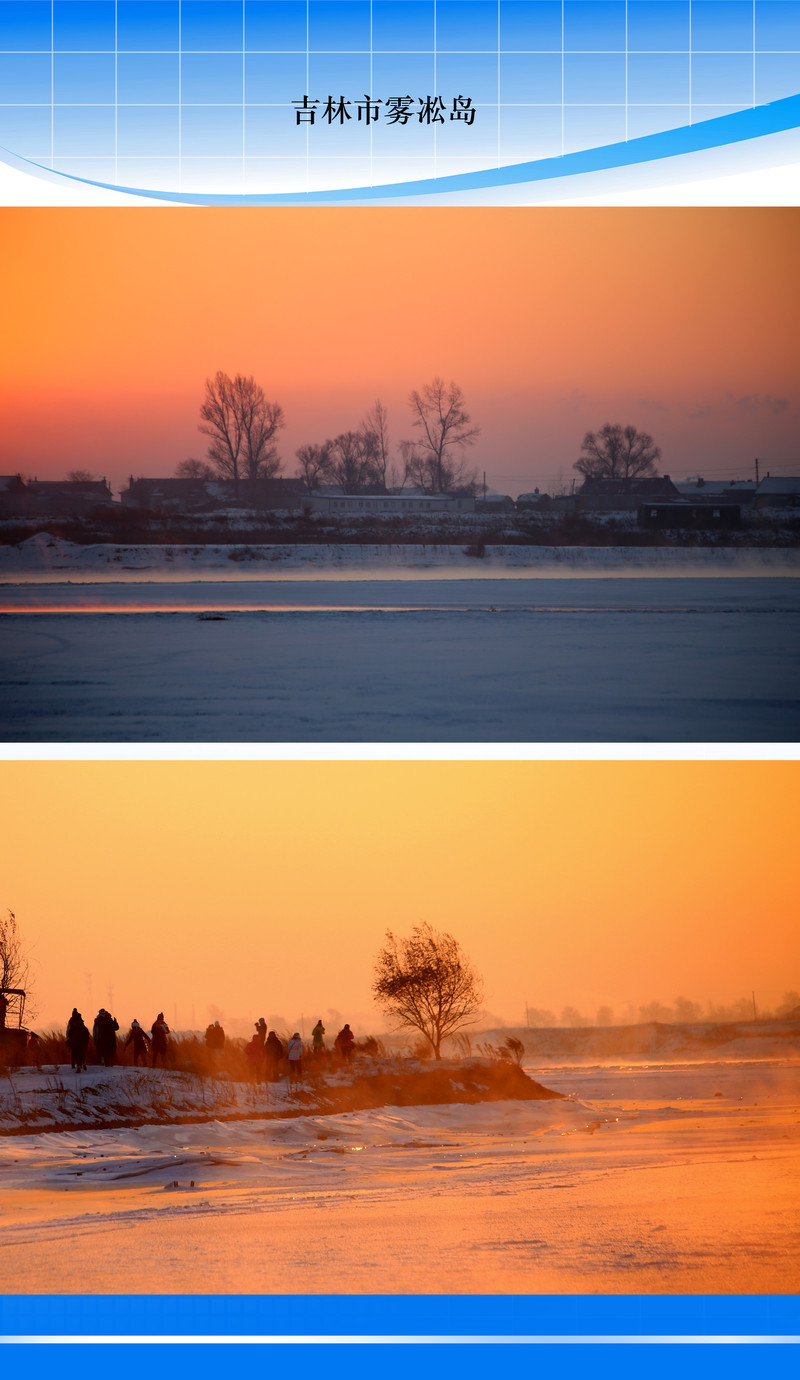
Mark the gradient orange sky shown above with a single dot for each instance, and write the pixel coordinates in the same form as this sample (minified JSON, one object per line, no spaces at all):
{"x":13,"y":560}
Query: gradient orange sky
{"x":266,"y":888}
{"x":679,"y":321}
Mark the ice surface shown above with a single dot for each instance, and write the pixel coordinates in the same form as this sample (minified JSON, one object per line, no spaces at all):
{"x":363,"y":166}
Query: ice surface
{"x":48,"y":557}
{"x":429,"y":659}
{"x":678,"y":1178}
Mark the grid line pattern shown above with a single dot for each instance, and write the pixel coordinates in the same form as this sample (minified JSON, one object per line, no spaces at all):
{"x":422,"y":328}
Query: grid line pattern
{"x":197,"y":94}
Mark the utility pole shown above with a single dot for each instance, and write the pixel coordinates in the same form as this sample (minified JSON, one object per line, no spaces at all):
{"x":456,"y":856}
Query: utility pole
{"x":484,"y":486}
{"x":756,"y":469}
{"x":753,"y":995}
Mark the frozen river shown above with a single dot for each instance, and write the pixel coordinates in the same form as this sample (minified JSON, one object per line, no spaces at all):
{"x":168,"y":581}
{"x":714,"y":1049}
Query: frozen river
{"x":668,"y":1179}
{"x":495,"y":659}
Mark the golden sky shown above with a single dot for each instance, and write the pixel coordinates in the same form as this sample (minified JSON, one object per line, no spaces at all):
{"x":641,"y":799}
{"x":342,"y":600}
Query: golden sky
{"x":679,"y":321}
{"x":266,"y":888}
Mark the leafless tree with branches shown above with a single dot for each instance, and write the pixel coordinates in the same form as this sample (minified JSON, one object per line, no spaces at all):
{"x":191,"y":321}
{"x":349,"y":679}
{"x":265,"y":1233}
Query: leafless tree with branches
{"x":616,"y":452}
{"x":314,"y":465}
{"x":427,"y":983}
{"x":194,"y":469}
{"x":434,"y":461}
{"x":241,"y":425}
{"x":376,"y":425}
{"x":352,"y":464}
{"x":15,"y":968}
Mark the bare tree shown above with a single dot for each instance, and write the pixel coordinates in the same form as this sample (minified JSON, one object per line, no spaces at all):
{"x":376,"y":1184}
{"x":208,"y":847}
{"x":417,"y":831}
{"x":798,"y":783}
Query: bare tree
{"x":434,"y":461}
{"x":427,"y":983}
{"x":194,"y":469}
{"x":314,"y":464}
{"x":241,"y":425}
{"x":352,"y":462}
{"x":81,"y":476}
{"x":15,"y":969}
{"x":615,"y":452}
{"x":376,"y":426}
{"x":261,"y":420}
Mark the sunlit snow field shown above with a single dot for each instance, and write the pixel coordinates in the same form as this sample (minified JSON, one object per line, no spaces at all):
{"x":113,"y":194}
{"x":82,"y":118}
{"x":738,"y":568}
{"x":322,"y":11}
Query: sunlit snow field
{"x":450,"y":658}
{"x":680,"y":1178}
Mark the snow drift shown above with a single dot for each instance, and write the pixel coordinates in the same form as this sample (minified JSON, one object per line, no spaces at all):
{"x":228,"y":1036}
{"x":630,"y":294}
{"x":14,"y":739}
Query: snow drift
{"x":59,"y":1099}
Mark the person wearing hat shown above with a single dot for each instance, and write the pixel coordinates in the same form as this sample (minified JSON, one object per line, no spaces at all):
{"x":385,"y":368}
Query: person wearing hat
{"x":295,"y":1051}
{"x":215,"y":1039}
{"x":104,"y":1033}
{"x":273,"y":1055}
{"x":259,"y":1063}
{"x":77,"y":1039}
{"x":140,"y":1041}
{"x":159,"y":1031}
{"x":345,"y":1041}
{"x":318,"y":1040}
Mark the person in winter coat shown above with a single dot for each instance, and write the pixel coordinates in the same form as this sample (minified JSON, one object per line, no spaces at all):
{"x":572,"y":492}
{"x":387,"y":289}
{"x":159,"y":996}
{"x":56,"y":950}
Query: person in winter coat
{"x":345,"y":1041}
{"x":318,"y":1040}
{"x":215,"y":1039}
{"x":259,"y":1070}
{"x":77,"y":1039}
{"x":104,"y":1033}
{"x":159,"y":1031}
{"x":273,"y":1055}
{"x":295,"y":1053}
{"x":254,"y":1051}
{"x":139,"y":1040}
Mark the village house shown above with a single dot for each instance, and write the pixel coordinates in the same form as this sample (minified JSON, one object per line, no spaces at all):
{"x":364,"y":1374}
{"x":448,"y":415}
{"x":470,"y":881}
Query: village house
{"x":623,"y":495}
{"x":68,"y":497}
{"x":715,"y":491}
{"x":405,"y":503}
{"x":778,"y":492}
{"x":687,"y":516}
{"x":177,"y":496}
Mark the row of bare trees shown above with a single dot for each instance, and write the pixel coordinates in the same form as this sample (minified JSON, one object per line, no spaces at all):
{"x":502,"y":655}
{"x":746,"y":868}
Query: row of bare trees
{"x":242,"y":425}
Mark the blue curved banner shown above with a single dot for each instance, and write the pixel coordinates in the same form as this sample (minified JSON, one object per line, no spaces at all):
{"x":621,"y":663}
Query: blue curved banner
{"x":299,"y":101}
{"x":778,"y":117}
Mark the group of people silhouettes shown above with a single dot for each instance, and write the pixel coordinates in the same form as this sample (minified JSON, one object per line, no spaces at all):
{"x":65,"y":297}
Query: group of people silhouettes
{"x":266,"y":1053}
{"x":150,"y":1049}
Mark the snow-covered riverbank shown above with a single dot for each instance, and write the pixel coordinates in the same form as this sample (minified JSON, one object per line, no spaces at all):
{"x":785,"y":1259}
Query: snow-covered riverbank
{"x":671,"y":1179}
{"x":59,"y":1098}
{"x":46,"y":555}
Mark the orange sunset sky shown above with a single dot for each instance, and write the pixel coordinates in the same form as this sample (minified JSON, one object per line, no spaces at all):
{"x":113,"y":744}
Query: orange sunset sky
{"x":679,"y":321}
{"x":266,"y":887}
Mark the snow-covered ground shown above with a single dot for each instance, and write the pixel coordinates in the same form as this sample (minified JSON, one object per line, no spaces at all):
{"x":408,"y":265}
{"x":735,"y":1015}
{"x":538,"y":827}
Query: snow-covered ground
{"x":61,"y":1098}
{"x":679,"y":1178}
{"x":49,"y":557}
{"x":499,"y":657}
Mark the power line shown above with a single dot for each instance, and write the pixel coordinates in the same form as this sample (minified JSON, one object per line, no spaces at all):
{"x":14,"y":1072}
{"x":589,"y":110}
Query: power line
{"x":743,"y":471}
